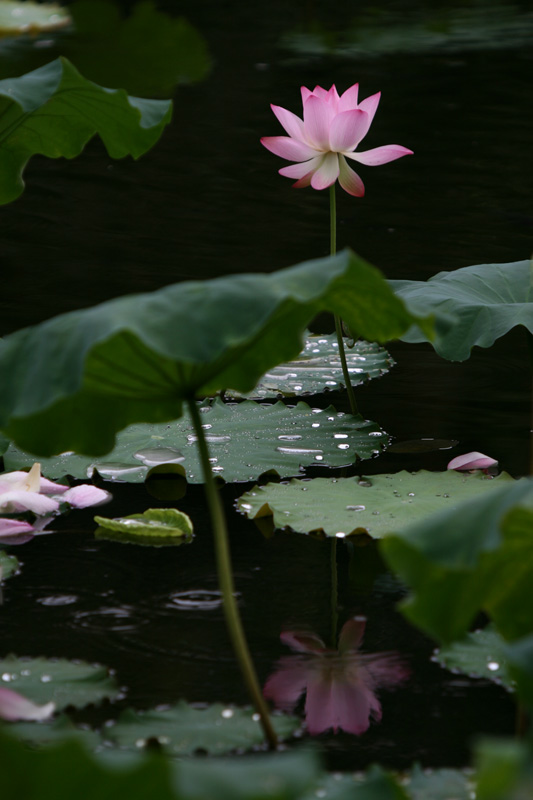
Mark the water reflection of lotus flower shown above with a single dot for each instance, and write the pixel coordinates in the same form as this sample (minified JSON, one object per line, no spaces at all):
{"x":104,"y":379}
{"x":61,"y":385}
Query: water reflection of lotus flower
{"x":341,"y":684}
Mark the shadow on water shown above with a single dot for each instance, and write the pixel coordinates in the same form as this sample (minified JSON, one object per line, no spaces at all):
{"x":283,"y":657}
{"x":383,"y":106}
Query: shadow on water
{"x":205,"y":202}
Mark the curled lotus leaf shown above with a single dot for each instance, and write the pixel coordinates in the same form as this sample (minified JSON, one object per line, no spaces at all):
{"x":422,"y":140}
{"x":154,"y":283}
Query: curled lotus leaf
{"x":155,"y":526}
{"x":137,"y":358}
{"x":54,"y":111}
{"x":484,"y":301}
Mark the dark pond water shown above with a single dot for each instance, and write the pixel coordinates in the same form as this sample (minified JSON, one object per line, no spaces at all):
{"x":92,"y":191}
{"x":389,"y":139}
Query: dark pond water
{"x":208,"y":201}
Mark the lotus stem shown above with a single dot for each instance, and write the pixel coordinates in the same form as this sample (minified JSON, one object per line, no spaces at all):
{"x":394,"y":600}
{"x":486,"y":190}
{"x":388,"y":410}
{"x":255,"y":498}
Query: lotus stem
{"x":225,"y":580}
{"x":338,"y":321}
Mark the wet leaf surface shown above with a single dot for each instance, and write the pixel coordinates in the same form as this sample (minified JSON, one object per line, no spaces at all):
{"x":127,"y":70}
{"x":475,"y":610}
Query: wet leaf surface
{"x":481,"y":654}
{"x":245,"y":440}
{"x":377,"y":505}
{"x":66,"y":683}
{"x":318,"y":368}
{"x":154,"y":527}
{"x":184,"y":730}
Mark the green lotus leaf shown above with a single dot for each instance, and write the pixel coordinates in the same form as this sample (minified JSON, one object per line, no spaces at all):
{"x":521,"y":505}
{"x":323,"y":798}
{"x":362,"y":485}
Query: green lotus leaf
{"x":245,"y":440}
{"x":439,"y":784}
{"x":481,"y":654}
{"x":476,"y":556}
{"x":377,"y":505}
{"x":66,"y":770}
{"x":137,"y":358}
{"x":155,"y":527}
{"x":55,"y":730}
{"x":374,"y":784}
{"x":183,"y":729}
{"x":66,"y":683}
{"x":318,"y":368}
{"x":147,"y":52}
{"x":54,"y":111}
{"x":31,"y":18}
{"x":486,"y":301}
{"x":504,"y":769}
{"x":269,"y":776}
{"x":8,"y":565}
{"x":519,"y":657}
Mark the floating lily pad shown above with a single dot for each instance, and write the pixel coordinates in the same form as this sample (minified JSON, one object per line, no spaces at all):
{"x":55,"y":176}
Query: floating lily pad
{"x":439,"y":784}
{"x":480,"y":654}
{"x":486,"y":300}
{"x":155,"y":526}
{"x":183,"y":729}
{"x":57,"y":729}
{"x":66,"y":683}
{"x":32,"y":18}
{"x":318,"y":369}
{"x":8,"y":565}
{"x":245,"y":440}
{"x":376,"y":505}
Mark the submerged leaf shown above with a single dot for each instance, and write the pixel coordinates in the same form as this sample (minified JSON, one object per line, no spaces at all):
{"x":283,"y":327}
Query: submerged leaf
{"x":137,"y":358}
{"x":485,"y":300}
{"x":376,"y":505}
{"x":245,"y":440}
{"x":155,"y":526}
{"x":66,"y":683}
{"x":184,"y":729}
{"x":54,"y":111}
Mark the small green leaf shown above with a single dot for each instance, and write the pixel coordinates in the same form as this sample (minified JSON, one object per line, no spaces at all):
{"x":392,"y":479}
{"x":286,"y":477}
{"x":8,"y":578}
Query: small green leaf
{"x":183,"y":729}
{"x":66,"y":683}
{"x":245,"y":440}
{"x":54,"y":111}
{"x":504,"y":770}
{"x":137,"y":358}
{"x":8,"y":565}
{"x":485,"y":300}
{"x":31,"y":18}
{"x":318,"y":369}
{"x":377,"y":505}
{"x":155,"y":527}
{"x":480,"y":654}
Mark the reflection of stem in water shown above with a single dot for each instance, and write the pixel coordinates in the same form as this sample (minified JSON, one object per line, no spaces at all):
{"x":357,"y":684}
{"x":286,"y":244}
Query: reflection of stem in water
{"x":225,"y":579}
{"x":334,"y":593}
{"x":338,"y":321}
{"x":530,"y":348}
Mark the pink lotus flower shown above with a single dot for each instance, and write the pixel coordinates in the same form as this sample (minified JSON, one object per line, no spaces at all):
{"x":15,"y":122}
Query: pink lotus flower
{"x":331,"y":129}
{"x":341,"y":684}
{"x":13,"y":706}
{"x":29,"y":491}
{"x":471,"y":461}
